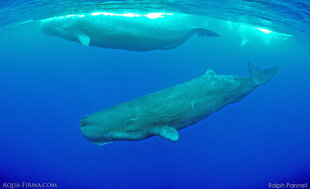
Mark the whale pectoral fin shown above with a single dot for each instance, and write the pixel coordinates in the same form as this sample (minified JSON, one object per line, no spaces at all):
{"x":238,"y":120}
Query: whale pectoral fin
{"x":84,"y":39}
{"x":168,"y":133}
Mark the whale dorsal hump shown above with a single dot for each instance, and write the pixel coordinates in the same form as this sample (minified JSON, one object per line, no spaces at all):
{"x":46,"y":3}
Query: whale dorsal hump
{"x":167,"y":132}
{"x":84,"y":39}
{"x":209,"y":74}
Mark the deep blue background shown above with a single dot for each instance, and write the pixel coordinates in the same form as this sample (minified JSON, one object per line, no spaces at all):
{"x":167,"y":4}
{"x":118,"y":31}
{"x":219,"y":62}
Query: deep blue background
{"x":47,"y":84}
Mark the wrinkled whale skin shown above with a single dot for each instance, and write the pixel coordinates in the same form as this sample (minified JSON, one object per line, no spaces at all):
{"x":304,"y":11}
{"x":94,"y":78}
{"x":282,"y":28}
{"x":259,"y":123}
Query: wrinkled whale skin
{"x":164,"y":112}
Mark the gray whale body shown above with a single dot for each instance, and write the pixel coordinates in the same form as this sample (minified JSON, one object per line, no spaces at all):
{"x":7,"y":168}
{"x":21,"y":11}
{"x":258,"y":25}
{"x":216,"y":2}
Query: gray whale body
{"x":164,"y":112}
{"x":128,"y":31}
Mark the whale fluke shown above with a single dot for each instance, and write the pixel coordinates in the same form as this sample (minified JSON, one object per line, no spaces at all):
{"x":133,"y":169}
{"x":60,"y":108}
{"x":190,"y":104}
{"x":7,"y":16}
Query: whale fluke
{"x":261,"y":77}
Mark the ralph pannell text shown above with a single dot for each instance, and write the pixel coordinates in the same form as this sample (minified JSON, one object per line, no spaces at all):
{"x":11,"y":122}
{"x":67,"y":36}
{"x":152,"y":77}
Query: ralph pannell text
{"x":288,"y":185}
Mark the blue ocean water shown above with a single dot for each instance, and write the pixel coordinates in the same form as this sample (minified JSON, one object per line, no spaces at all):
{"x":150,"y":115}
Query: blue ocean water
{"x":48,"y":84}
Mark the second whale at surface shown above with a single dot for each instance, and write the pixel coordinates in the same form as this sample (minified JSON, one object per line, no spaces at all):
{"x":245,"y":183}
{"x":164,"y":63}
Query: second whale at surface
{"x":128,"y":31}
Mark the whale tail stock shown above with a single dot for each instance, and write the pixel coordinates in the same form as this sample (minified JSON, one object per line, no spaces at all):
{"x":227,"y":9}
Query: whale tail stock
{"x":205,"y":33}
{"x":261,"y":77}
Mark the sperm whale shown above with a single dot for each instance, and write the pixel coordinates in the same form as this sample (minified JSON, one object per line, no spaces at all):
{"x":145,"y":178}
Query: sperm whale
{"x":164,"y":112}
{"x":128,"y":31}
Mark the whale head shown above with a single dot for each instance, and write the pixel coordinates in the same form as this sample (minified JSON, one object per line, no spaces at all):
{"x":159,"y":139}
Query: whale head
{"x":66,"y":28}
{"x":106,"y":127}
{"x":54,"y":27}
{"x":93,"y":132}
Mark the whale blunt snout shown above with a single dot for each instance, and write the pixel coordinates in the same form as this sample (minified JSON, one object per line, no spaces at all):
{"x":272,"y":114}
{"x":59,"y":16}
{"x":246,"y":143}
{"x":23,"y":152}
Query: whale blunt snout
{"x":92,"y":134}
{"x":86,"y":128}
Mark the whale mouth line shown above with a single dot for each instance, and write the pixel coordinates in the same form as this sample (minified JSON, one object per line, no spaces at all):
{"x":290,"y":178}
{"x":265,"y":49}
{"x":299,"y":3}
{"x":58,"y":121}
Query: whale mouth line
{"x":83,"y":121}
{"x":99,"y":141}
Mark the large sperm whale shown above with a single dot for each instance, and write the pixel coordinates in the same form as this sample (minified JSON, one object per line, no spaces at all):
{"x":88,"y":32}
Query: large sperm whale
{"x":129,"y":31}
{"x":164,"y":112}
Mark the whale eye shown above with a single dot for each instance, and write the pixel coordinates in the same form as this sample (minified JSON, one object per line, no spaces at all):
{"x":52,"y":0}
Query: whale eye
{"x":132,"y":129}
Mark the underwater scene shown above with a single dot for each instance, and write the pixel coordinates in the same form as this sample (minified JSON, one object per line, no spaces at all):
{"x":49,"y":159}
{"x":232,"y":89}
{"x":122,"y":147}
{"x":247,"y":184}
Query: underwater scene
{"x":161,"y":94}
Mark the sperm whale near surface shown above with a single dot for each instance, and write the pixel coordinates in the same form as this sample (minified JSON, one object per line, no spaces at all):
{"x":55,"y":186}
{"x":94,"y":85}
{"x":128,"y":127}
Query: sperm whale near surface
{"x":128,"y":31}
{"x":164,"y":112}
